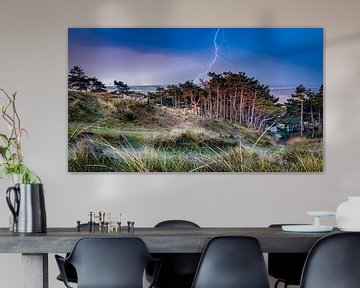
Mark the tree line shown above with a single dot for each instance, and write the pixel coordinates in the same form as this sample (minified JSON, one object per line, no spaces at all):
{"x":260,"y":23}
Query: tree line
{"x":239,"y":98}
{"x":228,"y":95}
{"x":304,"y":111}
{"x":78,"y":80}
{"x":232,"y":96}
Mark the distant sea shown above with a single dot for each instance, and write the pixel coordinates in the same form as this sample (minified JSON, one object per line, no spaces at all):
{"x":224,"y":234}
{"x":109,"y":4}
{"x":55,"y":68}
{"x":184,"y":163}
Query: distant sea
{"x":138,"y":88}
{"x":282,"y":93}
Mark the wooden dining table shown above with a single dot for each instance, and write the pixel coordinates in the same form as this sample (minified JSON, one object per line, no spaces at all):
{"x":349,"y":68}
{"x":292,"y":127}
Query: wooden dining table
{"x":35,"y":247}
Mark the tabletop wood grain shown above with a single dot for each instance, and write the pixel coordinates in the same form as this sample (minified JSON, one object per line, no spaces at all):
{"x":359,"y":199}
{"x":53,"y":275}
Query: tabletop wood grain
{"x":158,"y":240}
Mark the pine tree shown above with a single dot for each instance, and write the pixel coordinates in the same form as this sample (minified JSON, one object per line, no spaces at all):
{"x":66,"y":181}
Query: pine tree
{"x":295,"y":107}
{"x":319,"y":102}
{"x":121,"y":87}
{"x":77,"y":79}
{"x":96,"y":86}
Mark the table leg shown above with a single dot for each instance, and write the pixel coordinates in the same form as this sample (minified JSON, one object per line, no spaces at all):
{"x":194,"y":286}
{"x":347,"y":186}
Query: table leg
{"x":35,"y":270}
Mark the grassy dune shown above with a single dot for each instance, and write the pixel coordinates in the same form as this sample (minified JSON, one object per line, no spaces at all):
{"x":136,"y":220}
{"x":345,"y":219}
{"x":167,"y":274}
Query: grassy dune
{"x":109,"y":134}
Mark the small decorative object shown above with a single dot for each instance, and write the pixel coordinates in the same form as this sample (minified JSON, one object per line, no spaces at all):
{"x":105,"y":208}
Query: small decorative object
{"x":348,"y":214}
{"x":131,"y":226}
{"x":78,"y":225}
{"x":316,"y":227}
{"x":27,"y":204}
{"x":105,"y":221}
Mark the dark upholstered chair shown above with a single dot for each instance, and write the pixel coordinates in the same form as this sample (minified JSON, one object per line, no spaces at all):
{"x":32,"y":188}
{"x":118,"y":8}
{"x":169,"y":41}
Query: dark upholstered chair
{"x":108,"y":263}
{"x":70,"y":273}
{"x":69,"y":269}
{"x":333,"y":262}
{"x":286,"y":267}
{"x":177,"y":270}
{"x":232,"y":262}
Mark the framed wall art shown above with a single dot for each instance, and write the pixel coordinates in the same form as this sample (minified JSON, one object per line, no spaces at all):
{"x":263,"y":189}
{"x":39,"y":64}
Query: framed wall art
{"x":195,"y":100}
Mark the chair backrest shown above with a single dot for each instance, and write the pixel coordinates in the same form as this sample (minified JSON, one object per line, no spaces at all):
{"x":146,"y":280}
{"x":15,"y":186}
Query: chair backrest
{"x":110,"y":262}
{"x":176,"y":224}
{"x":232,"y":262}
{"x":333,"y":262}
{"x":177,"y":268}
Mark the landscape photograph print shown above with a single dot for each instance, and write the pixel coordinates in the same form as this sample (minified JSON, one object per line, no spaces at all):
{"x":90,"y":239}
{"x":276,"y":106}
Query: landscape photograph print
{"x":195,"y":100}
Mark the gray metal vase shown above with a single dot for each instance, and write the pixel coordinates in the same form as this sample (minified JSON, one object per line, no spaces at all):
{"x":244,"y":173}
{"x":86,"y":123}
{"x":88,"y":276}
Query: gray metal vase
{"x":27,"y":207}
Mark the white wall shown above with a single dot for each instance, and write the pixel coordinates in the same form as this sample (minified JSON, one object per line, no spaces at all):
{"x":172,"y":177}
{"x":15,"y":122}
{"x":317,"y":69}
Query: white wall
{"x":33,"y":62}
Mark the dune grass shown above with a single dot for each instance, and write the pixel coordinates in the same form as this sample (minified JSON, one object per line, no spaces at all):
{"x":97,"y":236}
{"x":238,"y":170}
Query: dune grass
{"x":109,"y":134}
{"x":90,"y":156}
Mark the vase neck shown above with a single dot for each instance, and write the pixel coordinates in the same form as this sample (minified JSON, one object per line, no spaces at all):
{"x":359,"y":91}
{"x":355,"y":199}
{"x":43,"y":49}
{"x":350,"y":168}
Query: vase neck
{"x":15,"y":179}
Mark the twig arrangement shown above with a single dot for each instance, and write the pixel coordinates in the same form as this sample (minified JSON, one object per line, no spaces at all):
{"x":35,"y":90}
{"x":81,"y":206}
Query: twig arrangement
{"x":12,"y":160}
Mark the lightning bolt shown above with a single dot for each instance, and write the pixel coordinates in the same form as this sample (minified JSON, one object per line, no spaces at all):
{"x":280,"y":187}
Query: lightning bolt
{"x":217,"y":55}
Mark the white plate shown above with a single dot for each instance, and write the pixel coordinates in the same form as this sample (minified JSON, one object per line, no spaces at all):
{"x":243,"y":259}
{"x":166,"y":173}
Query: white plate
{"x":321,"y":213}
{"x":306,"y":228}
